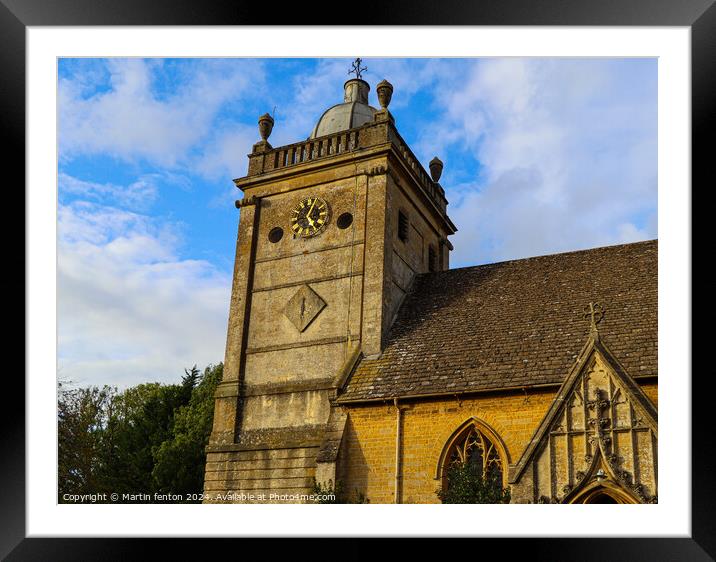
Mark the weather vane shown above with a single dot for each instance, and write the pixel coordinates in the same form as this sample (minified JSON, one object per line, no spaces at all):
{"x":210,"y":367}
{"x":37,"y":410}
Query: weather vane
{"x":357,"y":69}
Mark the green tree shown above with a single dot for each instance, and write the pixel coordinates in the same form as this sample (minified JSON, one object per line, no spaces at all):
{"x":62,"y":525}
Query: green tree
{"x":81,"y":421}
{"x":148,"y":438}
{"x":180,"y":459}
{"x":467,"y":485}
{"x":140,"y":419}
{"x":190,"y":379}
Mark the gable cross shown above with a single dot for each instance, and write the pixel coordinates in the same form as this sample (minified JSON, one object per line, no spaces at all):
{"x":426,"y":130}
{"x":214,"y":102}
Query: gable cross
{"x":594,"y":312}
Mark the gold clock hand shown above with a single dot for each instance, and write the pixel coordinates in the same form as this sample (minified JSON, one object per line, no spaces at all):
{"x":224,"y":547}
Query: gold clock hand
{"x":308,"y":214}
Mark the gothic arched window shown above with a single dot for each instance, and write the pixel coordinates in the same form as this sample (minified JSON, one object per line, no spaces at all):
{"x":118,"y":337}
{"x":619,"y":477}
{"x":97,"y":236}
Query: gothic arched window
{"x":472,"y":447}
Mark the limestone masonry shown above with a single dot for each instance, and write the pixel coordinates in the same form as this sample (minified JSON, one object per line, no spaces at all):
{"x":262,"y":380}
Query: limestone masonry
{"x":354,"y":356}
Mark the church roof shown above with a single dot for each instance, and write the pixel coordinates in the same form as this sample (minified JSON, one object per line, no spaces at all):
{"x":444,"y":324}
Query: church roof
{"x":515,"y":324}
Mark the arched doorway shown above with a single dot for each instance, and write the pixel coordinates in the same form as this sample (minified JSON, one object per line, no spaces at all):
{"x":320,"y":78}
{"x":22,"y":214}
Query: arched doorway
{"x":604,"y":494}
{"x":602,"y":498}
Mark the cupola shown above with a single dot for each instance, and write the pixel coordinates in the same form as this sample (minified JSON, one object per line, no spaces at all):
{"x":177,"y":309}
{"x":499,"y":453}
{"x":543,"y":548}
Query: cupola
{"x":352,"y":113}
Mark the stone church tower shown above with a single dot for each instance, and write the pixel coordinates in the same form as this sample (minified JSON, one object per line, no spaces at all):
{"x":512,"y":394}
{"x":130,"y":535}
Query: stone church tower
{"x":332,"y":231}
{"x":355,"y":356}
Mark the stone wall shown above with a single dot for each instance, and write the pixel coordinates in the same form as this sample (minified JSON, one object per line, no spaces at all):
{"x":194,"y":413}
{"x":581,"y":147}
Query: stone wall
{"x":367,"y":456}
{"x":253,"y":476}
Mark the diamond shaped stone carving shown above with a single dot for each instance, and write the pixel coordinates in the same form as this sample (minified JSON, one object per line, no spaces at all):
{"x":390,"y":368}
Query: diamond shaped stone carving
{"x":303,"y":307}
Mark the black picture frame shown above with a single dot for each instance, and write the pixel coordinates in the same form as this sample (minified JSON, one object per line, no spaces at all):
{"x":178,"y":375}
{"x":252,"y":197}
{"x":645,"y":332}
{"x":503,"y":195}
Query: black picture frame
{"x":17,"y":15}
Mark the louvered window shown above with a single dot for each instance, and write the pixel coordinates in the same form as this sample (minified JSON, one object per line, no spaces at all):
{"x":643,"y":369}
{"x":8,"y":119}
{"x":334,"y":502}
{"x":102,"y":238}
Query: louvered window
{"x":402,"y":226}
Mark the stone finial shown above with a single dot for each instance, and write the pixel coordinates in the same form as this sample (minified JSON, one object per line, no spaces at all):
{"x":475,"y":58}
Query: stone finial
{"x":265,"y":126}
{"x":385,"y":93}
{"x":594,"y":312}
{"x":436,"y":169}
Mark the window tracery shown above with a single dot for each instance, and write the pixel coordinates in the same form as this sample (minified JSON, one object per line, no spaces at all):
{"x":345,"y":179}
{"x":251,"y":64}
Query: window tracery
{"x":475,"y":449}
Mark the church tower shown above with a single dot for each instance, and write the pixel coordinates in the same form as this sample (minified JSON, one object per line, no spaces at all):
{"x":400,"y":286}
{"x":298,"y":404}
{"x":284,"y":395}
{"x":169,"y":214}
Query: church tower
{"x":332,"y":231}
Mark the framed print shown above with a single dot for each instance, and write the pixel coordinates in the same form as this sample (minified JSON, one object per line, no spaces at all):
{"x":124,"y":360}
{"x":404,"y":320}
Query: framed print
{"x":368,"y":360}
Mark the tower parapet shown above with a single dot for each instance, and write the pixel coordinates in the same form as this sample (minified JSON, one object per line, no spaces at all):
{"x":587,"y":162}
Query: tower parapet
{"x":344,"y":145}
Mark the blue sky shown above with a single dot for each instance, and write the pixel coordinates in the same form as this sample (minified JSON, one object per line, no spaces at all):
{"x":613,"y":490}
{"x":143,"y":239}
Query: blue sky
{"x":541,"y":156}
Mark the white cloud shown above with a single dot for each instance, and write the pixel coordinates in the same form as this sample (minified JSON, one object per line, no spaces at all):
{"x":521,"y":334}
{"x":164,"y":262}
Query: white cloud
{"x":309,"y":96}
{"x":131,"y":310}
{"x":138,"y":194}
{"x":568,"y":156}
{"x":131,"y":121}
{"x":225,"y":156}
{"x":628,"y":232}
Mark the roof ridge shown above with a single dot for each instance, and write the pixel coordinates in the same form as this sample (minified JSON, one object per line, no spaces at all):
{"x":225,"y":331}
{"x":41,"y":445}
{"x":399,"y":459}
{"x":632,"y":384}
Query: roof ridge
{"x":542,"y":256}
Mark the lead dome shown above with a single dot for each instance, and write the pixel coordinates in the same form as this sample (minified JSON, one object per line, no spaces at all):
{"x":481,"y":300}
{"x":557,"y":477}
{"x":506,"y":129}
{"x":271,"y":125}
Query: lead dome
{"x":353,"y":112}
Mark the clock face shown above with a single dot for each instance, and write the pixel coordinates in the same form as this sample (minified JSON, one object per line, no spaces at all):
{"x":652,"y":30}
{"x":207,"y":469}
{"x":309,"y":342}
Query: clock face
{"x":309,"y":217}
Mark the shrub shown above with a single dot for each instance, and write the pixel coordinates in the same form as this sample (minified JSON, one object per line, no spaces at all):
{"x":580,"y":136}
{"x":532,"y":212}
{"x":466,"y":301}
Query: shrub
{"x":466,"y":485}
{"x":337,"y":493}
